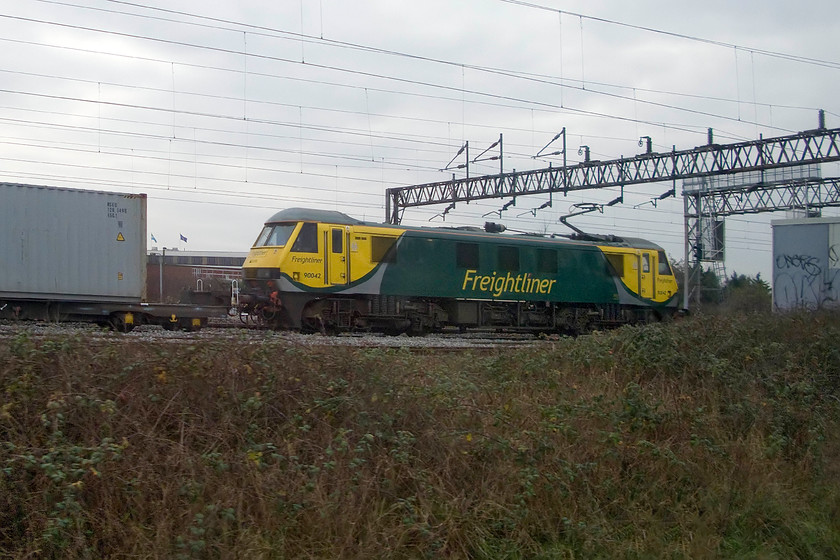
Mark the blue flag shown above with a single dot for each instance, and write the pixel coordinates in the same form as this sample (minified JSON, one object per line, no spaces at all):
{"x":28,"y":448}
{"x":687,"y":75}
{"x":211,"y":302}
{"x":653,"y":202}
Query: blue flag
{"x":184,"y":239}
{"x":153,"y":238}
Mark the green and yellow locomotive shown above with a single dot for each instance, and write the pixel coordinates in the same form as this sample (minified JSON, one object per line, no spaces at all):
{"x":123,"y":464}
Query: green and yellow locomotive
{"x":322,"y":270}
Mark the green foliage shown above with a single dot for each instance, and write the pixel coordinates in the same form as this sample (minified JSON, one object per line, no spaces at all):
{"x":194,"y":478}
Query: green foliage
{"x":743,"y":294}
{"x":710,"y":437}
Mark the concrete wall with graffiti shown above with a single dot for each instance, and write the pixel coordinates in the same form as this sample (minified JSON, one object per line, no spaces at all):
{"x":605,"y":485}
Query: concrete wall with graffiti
{"x":806,"y":263}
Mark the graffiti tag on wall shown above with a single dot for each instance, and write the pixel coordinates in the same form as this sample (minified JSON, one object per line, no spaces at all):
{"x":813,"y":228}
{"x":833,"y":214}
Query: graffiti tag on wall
{"x":806,"y":281}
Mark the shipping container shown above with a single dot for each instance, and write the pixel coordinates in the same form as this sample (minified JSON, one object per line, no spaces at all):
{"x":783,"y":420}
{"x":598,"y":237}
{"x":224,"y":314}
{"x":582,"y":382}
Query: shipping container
{"x":64,"y":244}
{"x":806,"y":263}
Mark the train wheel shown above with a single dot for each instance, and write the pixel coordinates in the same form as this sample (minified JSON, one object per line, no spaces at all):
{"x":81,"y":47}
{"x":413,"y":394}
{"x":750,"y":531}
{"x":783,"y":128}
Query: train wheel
{"x":268,"y":317}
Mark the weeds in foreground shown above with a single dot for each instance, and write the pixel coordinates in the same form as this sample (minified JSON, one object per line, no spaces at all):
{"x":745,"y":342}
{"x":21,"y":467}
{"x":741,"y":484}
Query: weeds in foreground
{"x":712,"y":437}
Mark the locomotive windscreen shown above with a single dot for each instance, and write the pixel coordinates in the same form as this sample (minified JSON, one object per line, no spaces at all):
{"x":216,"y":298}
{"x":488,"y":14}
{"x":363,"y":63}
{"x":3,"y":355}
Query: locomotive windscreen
{"x":275,"y":235}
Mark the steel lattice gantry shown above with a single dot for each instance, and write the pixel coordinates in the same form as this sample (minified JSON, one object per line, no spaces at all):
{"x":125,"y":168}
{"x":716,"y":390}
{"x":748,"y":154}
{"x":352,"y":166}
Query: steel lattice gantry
{"x":797,"y":194}
{"x":814,"y":146}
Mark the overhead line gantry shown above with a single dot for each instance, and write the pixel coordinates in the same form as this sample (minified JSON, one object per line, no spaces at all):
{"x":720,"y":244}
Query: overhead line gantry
{"x":808,"y":147}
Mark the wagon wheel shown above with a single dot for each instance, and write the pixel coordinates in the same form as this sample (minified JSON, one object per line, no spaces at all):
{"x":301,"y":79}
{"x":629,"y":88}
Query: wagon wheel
{"x":117,"y":323}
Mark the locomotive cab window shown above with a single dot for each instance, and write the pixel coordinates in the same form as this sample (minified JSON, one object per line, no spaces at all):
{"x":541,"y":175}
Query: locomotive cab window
{"x":645,"y":263}
{"x":508,"y":258}
{"x":466,"y":255}
{"x":276,"y":235}
{"x":307,"y":239}
{"x":664,"y":267}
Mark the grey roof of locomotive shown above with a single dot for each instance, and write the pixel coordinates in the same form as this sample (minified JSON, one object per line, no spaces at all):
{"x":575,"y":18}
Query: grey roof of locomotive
{"x":339,"y":218}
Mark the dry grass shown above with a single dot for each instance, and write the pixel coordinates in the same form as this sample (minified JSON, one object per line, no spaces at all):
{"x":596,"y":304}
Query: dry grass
{"x":708,"y":438}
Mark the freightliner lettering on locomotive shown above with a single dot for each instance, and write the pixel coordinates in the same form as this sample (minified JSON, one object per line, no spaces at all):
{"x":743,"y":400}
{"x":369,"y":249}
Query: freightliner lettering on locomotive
{"x":498,"y":285}
{"x":316,"y":270}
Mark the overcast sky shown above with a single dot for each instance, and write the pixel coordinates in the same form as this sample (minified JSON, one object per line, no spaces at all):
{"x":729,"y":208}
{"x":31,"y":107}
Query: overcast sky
{"x":225,"y":112}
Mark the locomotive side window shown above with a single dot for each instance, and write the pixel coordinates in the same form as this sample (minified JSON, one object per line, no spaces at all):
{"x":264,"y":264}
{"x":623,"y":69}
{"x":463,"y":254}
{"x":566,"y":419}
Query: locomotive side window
{"x":664,"y":267}
{"x":616,"y":264}
{"x":380,"y":249}
{"x":508,"y":258}
{"x":645,"y":262}
{"x":307,"y":239}
{"x":337,"y":240}
{"x":466,"y":255}
{"x":547,"y":261}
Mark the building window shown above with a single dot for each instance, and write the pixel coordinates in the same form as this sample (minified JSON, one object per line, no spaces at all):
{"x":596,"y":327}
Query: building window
{"x":466,"y":255}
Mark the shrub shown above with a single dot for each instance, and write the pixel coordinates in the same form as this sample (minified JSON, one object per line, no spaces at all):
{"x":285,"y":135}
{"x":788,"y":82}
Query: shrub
{"x":711,"y":437}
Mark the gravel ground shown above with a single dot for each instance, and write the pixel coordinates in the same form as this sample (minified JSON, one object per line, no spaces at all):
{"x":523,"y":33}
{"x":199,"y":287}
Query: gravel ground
{"x":231,"y":331}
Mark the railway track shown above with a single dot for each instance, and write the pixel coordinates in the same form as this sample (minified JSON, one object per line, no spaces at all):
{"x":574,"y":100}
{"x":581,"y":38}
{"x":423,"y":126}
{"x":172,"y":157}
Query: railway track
{"x":222,"y":332}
